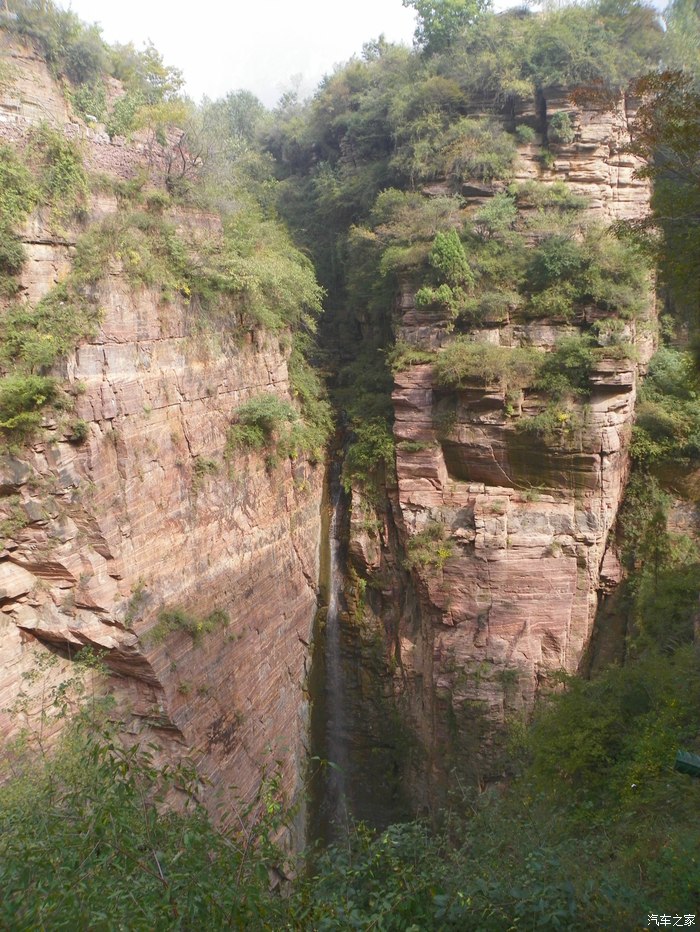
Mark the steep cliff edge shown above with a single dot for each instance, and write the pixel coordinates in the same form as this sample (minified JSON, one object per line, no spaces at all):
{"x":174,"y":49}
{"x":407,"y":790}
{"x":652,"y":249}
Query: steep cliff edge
{"x":506,"y":493}
{"x":126,"y":526}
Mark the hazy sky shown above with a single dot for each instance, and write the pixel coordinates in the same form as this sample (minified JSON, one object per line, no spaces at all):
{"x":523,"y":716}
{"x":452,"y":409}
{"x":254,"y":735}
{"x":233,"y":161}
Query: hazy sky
{"x":259,"y":45}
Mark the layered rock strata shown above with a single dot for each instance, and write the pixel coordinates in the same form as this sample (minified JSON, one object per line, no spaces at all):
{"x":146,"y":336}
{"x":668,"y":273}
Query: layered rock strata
{"x":526,"y":515}
{"x":127,"y":508}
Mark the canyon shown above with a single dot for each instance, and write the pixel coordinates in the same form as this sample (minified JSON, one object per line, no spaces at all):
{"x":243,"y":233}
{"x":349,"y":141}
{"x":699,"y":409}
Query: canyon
{"x":147,"y":513}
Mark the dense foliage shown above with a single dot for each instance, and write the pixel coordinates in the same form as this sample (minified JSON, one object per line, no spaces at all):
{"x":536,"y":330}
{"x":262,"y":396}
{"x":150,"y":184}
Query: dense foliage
{"x":90,"y":838}
{"x":595,"y":829}
{"x":667,"y":428}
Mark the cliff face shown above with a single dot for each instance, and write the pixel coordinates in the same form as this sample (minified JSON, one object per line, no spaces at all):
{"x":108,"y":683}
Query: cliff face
{"x":527,"y":514}
{"x":141,"y":513}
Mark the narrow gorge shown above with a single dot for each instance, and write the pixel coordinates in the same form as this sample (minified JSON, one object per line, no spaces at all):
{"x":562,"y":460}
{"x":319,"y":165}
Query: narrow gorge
{"x":345,"y":441}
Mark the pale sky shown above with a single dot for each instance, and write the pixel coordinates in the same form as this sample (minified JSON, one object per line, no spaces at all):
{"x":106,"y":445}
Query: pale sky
{"x":259,"y":45}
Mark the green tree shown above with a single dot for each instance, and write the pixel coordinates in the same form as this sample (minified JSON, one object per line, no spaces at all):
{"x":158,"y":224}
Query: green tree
{"x":666,"y":135}
{"x":441,"y":21}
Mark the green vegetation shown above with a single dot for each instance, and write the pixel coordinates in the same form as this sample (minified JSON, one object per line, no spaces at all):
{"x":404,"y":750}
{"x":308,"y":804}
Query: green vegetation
{"x":667,"y":427}
{"x":269,"y":423}
{"x":62,"y":179}
{"x":49,"y":173}
{"x":18,"y":196}
{"x":451,"y":269}
{"x":593,"y":828}
{"x":77,"y":53}
{"x":439,"y":24}
{"x":566,"y":370}
{"x":22,"y":399}
{"x":573,"y":842}
{"x":177,"y":619}
{"x":560,"y":128}
{"x":666,"y":139}
{"x":369,"y":454}
{"x":403,"y":355}
{"x":249,"y":278}
{"x":125,"y":860}
{"x":16,"y":518}
{"x":429,"y":548}
{"x":260,"y":422}
{"x":464,"y":363}
{"x":317,"y":417}
{"x":202,"y":467}
{"x":663,"y":568}
{"x":33,"y":338}
{"x":271,"y":279}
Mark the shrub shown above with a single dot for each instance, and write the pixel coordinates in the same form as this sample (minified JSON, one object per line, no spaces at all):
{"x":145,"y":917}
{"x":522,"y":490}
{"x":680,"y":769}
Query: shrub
{"x":464,"y":363}
{"x":413,"y":446}
{"x":668,"y":411}
{"x":566,"y":370}
{"x":123,"y":118}
{"x":403,"y":355}
{"x":18,"y":196}
{"x":274,"y":283}
{"x":70,"y":47}
{"x":267,"y":422}
{"x":99,"y":800}
{"x":85,"y":58}
{"x":451,"y":273}
{"x":90,"y":100}
{"x":177,"y":619}
{"x":491,"y":307}
{"x":78,"y":431}
{"x":22,"y":398}
{"x":62,"y":176}
{"x":557,"y":259}
{"x":556,"y":421}
{"x":202,"y":467}
{"x":310,"y":392}
{"x":268,"y":412}
{"x":33,"y":338}
{"x":556,"y":196}
{"x":19,"y":193}
{"x":449,"y":260}
{"x":616,"y":275}
{"x":12,"y":256}
{"x":407,"y":216}
{"x":525,"y":134}
{"x":496,"y":218}
{"x":371,"y":451}
{"x":444,"y":296}
{"x":477,"y":149}
{"x":560,"y":128}
{"x":557,"y":302}
{"x":429,"y":548}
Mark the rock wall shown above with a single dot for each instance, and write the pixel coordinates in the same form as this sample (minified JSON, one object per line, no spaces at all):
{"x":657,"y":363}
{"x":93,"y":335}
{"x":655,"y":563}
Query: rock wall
{"x":527,"y":516}
{"x":139,"y":511}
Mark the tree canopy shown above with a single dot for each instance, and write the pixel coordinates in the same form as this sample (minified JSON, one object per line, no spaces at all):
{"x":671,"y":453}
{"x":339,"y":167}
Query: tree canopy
{"x":441,"y":21}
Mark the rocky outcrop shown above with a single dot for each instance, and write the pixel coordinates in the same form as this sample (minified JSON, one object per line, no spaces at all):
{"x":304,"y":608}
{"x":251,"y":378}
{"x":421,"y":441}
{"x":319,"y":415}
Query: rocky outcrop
{"x":596,"y":162}
{"x":126,"y":508}
{"x":524,"y":516}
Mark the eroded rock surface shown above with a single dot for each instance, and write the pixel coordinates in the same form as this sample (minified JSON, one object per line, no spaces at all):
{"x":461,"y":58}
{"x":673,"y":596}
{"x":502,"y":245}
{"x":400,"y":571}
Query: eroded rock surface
{"x":526,"y":514}
{"x":126,"y":507}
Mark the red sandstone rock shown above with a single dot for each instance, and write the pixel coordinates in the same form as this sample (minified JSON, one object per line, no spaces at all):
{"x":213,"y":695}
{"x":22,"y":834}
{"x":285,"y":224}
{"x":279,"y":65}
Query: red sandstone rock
{"x":122,"y":526}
